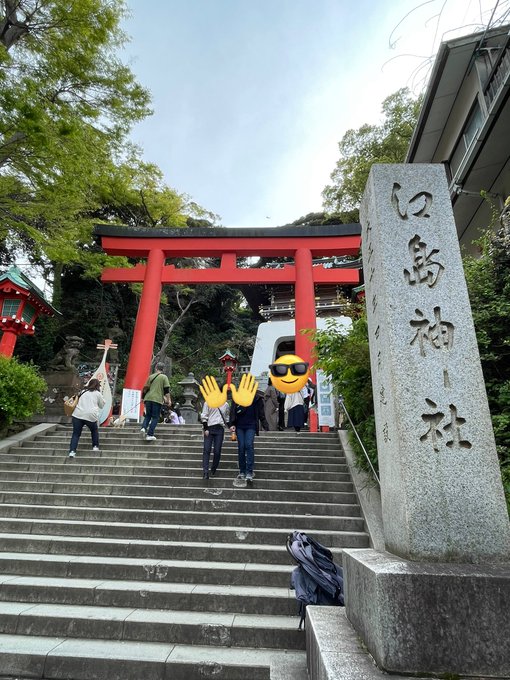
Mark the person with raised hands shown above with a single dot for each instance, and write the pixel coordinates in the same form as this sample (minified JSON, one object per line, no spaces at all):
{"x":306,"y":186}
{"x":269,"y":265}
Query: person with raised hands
{"x":246,"y":416}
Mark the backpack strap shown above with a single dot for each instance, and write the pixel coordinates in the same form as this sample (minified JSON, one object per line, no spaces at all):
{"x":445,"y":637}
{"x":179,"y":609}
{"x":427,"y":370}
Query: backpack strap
{"x":302,"y":614}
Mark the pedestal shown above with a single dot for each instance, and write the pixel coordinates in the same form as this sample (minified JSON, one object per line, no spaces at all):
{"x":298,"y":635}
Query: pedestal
{"x":430,"y":617}
{"x":189,"y":414}
{"x":60,"y":384}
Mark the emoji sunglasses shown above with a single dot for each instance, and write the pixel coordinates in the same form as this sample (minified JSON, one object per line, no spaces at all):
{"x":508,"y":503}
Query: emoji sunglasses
{"x":280,"y":370}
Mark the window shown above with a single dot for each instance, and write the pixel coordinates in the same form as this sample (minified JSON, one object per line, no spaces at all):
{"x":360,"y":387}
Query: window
{"x":10,"y":307}
{"x":471,"y":129}
{"x":28,"y":313}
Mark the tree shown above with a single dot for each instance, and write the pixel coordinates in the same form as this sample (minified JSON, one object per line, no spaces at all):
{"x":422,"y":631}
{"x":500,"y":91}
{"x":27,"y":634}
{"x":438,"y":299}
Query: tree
{"x":345,"y":357}
{"x":360,"y":149}
{"x":66,"y":106}
{"x":488,"y":281}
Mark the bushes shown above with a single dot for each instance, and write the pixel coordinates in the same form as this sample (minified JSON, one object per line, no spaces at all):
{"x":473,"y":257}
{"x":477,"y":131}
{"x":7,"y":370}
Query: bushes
{"x":345,"y":357}
{"x":21,"y":391}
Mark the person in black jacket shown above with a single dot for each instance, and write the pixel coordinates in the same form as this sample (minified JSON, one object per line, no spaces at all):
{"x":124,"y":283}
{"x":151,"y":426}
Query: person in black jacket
{"x":245,"y":422}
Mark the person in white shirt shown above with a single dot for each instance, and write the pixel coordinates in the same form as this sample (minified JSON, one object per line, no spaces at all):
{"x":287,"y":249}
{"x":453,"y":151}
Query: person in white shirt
{"x":87,"y":413}
{"x":214,"y":421}
{"x":295,"y":408}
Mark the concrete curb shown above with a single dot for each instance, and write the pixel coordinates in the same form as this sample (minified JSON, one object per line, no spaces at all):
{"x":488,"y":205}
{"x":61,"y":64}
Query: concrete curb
{"x":369,"y":495}
{"x":25,"y":436}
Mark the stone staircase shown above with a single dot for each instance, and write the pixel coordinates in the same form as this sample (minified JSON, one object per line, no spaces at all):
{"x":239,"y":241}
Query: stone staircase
{"x":129,"y":565}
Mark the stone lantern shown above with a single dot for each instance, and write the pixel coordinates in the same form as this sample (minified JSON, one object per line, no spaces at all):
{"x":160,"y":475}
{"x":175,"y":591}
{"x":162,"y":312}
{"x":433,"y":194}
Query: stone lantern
{"x":190,"y":393}
{"x":21,"y":302}
{"x":230,"y":364}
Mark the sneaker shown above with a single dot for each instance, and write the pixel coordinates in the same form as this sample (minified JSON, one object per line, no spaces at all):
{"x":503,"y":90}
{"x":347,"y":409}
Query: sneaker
{"x":241,"y":475}
{"x":72,"y":454}
{"x":212,"y":473}
{"x":96,"y":448}
{"x":150,"y":438}
{"x":249,"y":478}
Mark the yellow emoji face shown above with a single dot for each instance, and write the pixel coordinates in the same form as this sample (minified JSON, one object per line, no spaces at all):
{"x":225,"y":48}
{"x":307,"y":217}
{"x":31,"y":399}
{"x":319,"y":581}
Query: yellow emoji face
{"x":289,"y":373}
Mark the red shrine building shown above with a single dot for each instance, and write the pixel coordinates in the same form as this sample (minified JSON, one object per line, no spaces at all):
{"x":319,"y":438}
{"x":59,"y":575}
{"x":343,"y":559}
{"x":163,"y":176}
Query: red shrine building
{"x":21,"y":302}
{"x":220,"y":248}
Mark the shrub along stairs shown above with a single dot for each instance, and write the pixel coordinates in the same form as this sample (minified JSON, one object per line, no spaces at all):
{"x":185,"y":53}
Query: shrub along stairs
{"x":129,"y":565}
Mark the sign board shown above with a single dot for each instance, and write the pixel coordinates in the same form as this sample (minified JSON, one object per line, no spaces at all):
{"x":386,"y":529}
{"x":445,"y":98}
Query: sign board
{"x":131,"y":400}
{"x":325,"y":400}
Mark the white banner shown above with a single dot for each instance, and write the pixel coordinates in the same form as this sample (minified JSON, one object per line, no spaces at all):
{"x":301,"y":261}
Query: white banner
{"x":131,"y":400}
{"x":325,"y":400}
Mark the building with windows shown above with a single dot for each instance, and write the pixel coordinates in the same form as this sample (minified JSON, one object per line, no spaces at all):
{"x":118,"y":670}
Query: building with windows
{"x":465,"y":124}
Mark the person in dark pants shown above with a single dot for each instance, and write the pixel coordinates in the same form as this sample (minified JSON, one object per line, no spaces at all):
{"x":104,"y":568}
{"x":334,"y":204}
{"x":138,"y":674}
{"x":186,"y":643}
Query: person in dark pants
{"x":87,"y":412}
{"x":281,"y":410}
{"x":214,"y":421}
{"x":244,"y":421}
{"x":157,"y":395}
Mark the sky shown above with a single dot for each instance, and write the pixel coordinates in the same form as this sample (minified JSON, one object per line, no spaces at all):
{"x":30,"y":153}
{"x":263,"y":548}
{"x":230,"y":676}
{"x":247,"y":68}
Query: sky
{"x":251,"y":97}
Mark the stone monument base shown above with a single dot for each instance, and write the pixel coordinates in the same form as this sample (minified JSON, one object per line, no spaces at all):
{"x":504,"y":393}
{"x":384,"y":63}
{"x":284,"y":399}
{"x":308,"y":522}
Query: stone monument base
{"x":60,"y":384}
{"x":190,"y":415}
{"x":426,"y":618}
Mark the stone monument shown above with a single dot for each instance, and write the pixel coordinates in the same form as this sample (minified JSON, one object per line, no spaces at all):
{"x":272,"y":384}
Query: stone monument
{"x":438,"y":600}
{"x":62,"y":378}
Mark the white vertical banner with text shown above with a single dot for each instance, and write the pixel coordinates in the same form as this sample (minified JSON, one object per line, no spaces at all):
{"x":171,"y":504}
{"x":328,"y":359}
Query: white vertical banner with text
{"x":131,"y":400}
{"x":325,"y":400}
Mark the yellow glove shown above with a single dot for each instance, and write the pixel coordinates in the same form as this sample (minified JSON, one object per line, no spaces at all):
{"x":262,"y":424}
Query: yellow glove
{"x":211,"y":393}
{"x":245,"y":395}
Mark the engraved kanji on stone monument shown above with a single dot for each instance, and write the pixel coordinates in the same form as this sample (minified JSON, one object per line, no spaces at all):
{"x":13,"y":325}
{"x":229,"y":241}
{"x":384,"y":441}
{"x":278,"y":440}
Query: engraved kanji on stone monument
{"x":424,"y":268}
{"x":418,"y":205}
{"x":435,"y":434}
{"x":436,"y":334}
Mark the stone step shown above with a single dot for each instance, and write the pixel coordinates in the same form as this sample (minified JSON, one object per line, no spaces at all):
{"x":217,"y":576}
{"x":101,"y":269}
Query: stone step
{"x":130,"y":565}
{"x":74,"y":474}
{"x":61,"y":658}
{"x":217,"y":629}
{"x":264,"y":439}
{"x":168,"y":433}
{"x":172,"y":517}
{"x":201,"y":489}
{"x":161,"y":549}
{"x":144,"y":569}
{"x":207,"y":504}
{"x":174,"y":432}
{"x":301,"y":452}
{"x":177,"y":532}
{"x":268,"y":462}
{"x":96,"y":466}
{"x":210,"y":597}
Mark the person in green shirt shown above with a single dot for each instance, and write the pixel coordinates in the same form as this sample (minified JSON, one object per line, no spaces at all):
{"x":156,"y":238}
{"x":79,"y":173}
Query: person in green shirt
{"x":157,"y":395}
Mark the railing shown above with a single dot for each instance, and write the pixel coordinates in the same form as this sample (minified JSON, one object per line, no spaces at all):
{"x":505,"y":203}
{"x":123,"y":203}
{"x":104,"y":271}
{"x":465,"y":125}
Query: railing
{"x":341,"y":402}
{"x":498,"y":80}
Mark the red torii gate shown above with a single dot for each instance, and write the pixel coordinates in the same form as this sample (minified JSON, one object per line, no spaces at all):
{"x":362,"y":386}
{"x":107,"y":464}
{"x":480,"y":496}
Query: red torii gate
{"x":156,"y":245}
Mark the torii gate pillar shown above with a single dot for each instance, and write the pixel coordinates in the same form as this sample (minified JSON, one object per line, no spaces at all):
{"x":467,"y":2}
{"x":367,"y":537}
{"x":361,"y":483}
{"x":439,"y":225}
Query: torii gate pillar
{"x":146,"y":322}
{"x":304,"y":294}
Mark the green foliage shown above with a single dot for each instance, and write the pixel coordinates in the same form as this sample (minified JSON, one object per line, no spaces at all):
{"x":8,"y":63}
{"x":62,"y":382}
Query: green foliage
{"x":488,"y":281}
{"x":369,"y":144}
{"x":21,"y":391}
{"x":66,"y":106}
{"x":345,"y":357}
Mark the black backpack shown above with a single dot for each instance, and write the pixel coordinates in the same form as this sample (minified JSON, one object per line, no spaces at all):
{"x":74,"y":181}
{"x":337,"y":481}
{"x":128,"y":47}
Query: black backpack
{"x":316,"y":579}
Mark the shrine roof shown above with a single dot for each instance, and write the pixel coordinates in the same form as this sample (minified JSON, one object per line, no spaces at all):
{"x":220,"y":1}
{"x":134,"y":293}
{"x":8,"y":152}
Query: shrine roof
{"x":19,"y":279}
{"x":289,"y":231}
